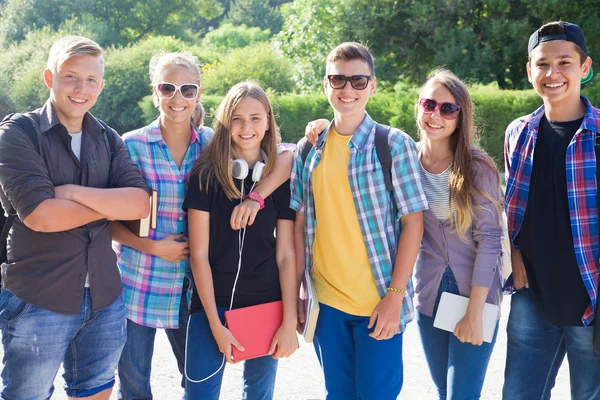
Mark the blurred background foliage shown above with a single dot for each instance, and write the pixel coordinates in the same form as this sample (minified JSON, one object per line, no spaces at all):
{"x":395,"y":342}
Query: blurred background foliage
{"x":283,"y":44}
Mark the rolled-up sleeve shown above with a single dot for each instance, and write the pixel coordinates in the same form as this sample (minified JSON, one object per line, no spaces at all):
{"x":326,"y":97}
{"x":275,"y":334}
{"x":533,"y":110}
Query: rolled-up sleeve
{"x":406,"y":176}
{"x":296,"y":181}
{"x":486,"y":226}
{"x":24,"y":177}
{"x":123,"y":171}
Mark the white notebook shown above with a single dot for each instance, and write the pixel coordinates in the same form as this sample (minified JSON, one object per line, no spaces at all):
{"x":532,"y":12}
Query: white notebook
{"x":453,"y":308}
{"x":308,"y":293}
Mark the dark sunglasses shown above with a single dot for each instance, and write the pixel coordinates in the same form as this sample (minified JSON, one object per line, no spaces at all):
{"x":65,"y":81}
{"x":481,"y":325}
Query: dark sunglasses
{"x":447,"y":110}
{"x":189,"y":91}
{"x":358,"y":82}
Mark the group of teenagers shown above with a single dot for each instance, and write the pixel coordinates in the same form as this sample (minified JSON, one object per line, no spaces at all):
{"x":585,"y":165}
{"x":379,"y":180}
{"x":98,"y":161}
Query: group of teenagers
{"x":237,"y":226}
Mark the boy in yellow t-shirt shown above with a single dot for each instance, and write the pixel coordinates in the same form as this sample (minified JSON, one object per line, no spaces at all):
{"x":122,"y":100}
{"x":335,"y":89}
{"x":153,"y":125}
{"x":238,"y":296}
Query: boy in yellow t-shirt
{"x":360,"y":262}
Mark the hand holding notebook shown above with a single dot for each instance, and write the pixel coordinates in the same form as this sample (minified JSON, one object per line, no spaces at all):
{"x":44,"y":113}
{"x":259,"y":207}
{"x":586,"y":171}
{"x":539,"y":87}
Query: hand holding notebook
{"x":254,"y":328}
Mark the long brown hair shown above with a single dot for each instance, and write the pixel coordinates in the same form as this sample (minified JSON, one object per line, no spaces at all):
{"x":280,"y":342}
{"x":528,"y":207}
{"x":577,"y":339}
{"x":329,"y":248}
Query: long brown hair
{"x":466,"y":153}
{"x":214,"y":165}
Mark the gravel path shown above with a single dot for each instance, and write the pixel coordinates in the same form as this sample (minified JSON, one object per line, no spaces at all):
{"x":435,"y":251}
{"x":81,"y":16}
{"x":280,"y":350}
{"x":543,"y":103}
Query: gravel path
{"x":300,"y":378}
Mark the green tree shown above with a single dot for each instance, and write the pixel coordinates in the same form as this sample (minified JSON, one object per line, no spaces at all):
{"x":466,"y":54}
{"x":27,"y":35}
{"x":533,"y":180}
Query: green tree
{"x":258,"y":61}
{"x":119,"y":21}
{"x":310,"y":30}
{"x":257,"y":13}
{"x":228,"y":37}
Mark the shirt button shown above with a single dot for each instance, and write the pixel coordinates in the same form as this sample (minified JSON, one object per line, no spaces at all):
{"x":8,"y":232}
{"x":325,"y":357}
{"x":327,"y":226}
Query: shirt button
{"x":80,"y":276}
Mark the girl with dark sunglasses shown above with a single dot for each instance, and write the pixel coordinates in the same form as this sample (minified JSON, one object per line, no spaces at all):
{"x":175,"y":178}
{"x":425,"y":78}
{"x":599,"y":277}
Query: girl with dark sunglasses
{"x":156,"y":270}
{"x":461,"y":251}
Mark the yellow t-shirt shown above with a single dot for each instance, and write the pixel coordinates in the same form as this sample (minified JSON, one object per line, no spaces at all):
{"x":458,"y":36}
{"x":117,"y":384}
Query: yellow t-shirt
{"x":343,"y":276}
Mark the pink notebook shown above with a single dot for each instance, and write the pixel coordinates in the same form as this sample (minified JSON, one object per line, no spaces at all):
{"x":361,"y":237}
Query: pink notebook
{"x":254,"y":327}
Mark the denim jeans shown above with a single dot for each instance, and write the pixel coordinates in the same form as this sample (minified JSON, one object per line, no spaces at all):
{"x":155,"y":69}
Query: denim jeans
{"x":536,"y":350}
{"x":204,"y":359}
{"x":36,"y":341}
{"x":136,"y":360}
{"x":355,"y":365}
{"x":457,"y":369}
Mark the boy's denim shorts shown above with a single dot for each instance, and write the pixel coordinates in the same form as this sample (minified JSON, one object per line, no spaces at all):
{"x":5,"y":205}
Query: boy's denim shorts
{"x":36,"y":341}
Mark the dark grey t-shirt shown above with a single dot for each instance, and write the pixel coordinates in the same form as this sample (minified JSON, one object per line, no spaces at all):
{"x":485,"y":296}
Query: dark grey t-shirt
{"x":48,"y":270}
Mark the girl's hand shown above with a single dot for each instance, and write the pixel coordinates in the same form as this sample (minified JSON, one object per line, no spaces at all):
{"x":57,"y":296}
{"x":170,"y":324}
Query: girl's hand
{"x":244,"y":214}
{"x":284,"y":343}
{"x":470,"y":329}
{"x":225,"y":340}
{"x":171,"y":248}
{"x":314,"y":128}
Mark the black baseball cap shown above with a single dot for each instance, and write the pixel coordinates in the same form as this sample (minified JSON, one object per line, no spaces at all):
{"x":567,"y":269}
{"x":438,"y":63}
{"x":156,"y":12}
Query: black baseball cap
{"x":572,"y":33}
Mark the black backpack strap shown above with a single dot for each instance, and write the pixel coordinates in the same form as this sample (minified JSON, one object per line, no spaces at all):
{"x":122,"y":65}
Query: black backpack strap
{"x":27,"y":125}
{"x":382,"y":147}
{"x":112,"y":142}
{"x":305,"y":150}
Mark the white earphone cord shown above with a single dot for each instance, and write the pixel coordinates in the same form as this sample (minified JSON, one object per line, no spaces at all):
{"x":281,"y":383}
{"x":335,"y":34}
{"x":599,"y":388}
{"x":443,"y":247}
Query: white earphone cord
{"x":241,"y":237}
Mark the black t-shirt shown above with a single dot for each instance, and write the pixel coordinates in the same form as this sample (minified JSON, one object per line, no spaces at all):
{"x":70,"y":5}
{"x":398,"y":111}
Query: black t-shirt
{"x":545,"y":238}
{"x":258,"y":282}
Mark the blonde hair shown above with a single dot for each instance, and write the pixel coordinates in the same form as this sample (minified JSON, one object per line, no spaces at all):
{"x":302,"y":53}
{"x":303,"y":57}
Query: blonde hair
{"x":72,"y":46}
{"x":462,"y":144}
{"x":214,"y":165}
{"x":162,"y":61}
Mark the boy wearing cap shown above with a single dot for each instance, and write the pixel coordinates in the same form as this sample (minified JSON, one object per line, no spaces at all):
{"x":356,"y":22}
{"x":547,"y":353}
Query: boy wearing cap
{"x":551,"y":203}
{"x":360,"y":262}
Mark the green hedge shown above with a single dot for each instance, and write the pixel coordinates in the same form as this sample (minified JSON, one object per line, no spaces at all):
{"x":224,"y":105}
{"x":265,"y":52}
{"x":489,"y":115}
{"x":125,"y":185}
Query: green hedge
{"x":494,"y":110}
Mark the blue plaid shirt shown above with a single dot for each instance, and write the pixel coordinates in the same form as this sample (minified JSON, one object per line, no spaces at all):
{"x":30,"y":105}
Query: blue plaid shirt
{"x":378,"y":215}
{"x":580,"y":161}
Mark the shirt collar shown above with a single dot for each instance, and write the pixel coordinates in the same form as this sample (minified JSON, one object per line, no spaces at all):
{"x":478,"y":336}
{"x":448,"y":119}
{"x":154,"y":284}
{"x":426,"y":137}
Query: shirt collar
{"x":154,"y":134}
{"x":591,"y":119}
{"x":359,"y":137}
{"x":49,"y":119}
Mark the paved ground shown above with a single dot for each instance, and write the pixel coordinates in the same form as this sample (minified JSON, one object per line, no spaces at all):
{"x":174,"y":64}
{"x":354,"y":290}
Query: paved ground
{"x":299,"y":378}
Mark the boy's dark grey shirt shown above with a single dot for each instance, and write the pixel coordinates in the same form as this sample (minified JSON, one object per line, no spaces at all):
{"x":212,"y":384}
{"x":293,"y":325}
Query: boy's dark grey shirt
{"x":48,"y":270}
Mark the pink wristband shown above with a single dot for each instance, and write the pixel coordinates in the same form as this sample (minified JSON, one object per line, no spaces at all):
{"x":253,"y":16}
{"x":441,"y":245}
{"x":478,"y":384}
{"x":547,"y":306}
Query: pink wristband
{"x":256,"y":197}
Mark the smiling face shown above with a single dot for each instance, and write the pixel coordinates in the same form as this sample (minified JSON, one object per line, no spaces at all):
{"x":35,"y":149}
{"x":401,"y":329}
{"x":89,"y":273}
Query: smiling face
{"x":349,"y":101}
{"x":555,"y":71}
{"x":249,"y":123}
{"x":177,"y":109}
{"x":431,"y":125}
{"x":74,"y":89}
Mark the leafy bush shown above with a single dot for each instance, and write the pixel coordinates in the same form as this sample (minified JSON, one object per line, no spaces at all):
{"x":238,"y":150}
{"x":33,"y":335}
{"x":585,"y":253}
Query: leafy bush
{"x":258,"y":61}
{"x":228,"y":37}
{"x":494,"y":110}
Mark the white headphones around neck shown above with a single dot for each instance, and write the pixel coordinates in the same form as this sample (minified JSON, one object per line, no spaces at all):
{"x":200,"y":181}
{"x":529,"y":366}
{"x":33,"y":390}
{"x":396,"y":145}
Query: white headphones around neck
{"x":239,"y":168}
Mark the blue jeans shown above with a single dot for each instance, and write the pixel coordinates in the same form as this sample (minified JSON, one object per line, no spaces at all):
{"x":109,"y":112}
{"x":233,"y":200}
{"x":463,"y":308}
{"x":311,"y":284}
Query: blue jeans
{"x":203,"y":359}
{"x":136,"y":360}
{"x":355,"y":365}
{"x":36,"y":341}
{"x":536,"y":350}
{"x":457,"y":369}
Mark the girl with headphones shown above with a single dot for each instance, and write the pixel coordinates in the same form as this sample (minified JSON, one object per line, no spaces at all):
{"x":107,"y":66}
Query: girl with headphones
{"x":235,"y":268}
